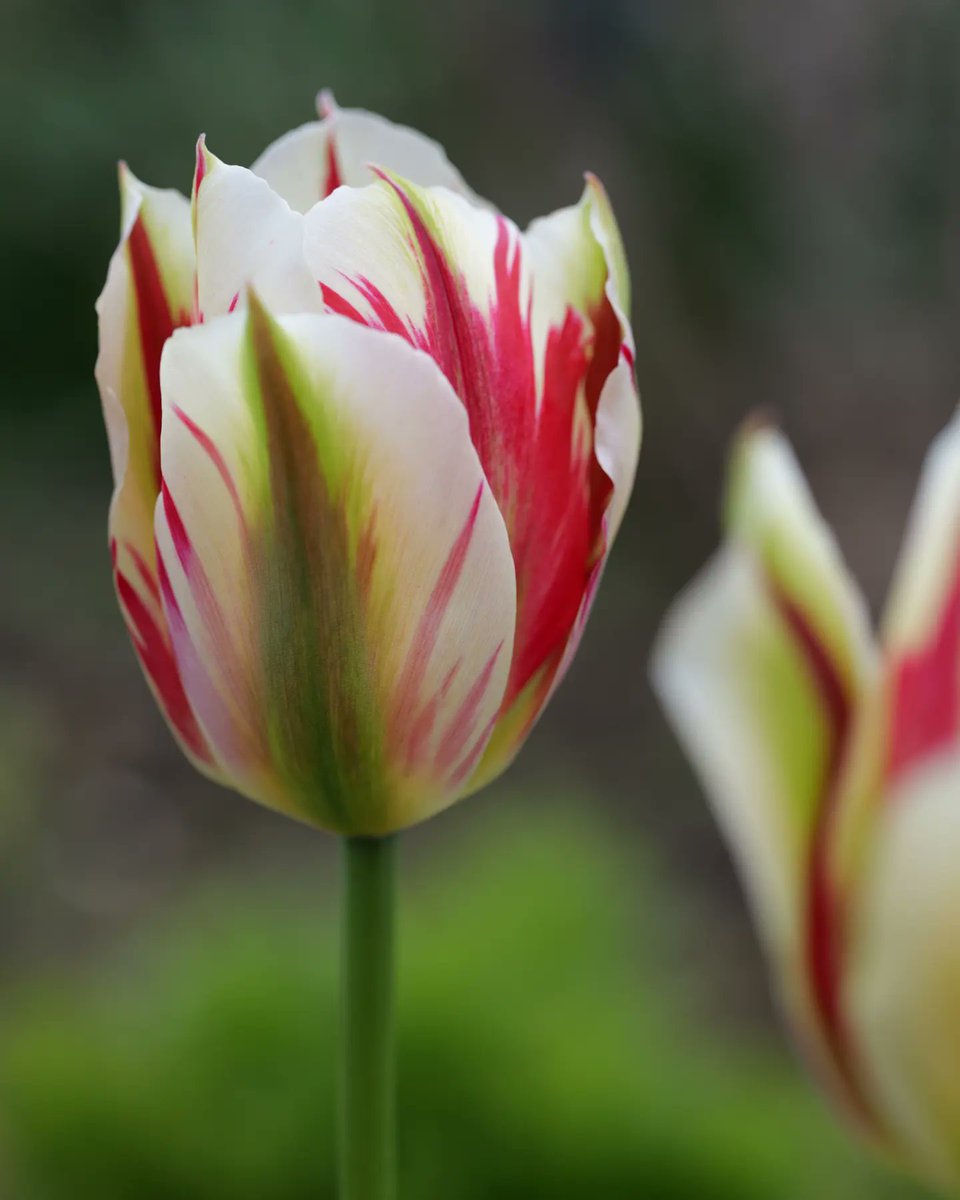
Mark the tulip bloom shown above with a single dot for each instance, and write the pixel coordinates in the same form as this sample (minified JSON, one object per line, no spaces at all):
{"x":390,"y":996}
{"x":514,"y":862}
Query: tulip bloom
{"x":371,"y":445}
{"x":834,"y":768}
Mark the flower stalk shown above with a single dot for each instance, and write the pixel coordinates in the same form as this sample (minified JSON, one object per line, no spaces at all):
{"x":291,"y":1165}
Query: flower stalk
{"x":367,"y":1159}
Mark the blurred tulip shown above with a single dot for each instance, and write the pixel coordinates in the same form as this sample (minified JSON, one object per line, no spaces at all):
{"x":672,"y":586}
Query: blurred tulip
{"x":834,"y":769}
{"x":371,"y":446}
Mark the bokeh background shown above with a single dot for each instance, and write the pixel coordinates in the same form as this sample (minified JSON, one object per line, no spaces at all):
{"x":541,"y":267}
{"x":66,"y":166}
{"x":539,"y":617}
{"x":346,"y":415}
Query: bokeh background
{"x":584,"y":1010}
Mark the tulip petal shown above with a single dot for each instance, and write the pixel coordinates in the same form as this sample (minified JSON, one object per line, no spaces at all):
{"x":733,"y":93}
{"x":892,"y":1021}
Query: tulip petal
{"x":579,"y":263}
{"x":903,"y":991}
{"x":761,"y":666}
{"x":338,"y":577}
{"x":246,"y":236}
{"x":922,"y":627}
{"x":540,"y":380}
{"x":147,"y":295}
{"x":309,"y":163}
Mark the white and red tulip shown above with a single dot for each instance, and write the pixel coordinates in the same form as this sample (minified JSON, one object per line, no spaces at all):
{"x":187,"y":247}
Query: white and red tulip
{"x":371,"y":445}
{"x":833,"y":763}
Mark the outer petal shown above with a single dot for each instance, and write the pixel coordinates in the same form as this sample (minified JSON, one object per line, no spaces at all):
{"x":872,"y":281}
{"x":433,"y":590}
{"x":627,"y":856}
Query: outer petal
{"x":904,"y":986}
{"x":338,"y":576}
{"x":309,"y":163}
{"x":246,"y":236}
{"x":579,"y":263}
{"x":922,"y":634}
{"x":537,"y":376}
{"x":762,"y":666}
{"x":148,"y":294}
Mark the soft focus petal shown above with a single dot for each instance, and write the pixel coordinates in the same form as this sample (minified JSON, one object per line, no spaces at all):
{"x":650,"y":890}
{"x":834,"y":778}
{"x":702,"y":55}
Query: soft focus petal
{"x":339,"y":582}
{"x":309,"y":163}
{"x":903,"y":992}
{"x":761,"y":666}
{"x":246,"y":236}
{"x":769,"y":508}
{"x":922,"y":629}
{"x":147,"y":295}
{"x":539,"y":377}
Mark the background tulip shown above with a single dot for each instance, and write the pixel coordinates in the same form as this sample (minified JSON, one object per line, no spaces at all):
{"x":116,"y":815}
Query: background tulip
{"x":834,"y":767}
{"x":371,"y":446}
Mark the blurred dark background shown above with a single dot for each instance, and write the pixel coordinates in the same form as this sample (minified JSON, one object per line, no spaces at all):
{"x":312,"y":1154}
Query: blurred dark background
{"x":584,"y":1010}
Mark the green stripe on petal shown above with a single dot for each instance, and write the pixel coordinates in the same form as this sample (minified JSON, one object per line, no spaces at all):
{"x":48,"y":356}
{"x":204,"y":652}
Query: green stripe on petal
{"x":341,"y":592}
{"x":325,"y":732}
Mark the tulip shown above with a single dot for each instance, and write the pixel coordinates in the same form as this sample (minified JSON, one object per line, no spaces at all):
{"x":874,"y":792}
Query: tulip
{"x":371,"y":445}
{"x":833,"y":766}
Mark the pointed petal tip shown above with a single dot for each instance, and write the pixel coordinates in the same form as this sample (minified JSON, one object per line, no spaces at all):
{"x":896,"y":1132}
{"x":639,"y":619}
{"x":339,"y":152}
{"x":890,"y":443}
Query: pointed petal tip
{"x":200,"y":168}
{"x":594,"y":189}
{"x":761,"y":421}
{"x":125,"y":176}
{"x":131,"y":191}
{"x":326,"y":103}
{"x":207,"y":161}
{"x":259,"y":318}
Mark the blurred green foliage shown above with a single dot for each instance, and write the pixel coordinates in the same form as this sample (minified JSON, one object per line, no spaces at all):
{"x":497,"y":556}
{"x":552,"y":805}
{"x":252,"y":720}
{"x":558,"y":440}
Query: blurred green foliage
{"x":544,"y":1053}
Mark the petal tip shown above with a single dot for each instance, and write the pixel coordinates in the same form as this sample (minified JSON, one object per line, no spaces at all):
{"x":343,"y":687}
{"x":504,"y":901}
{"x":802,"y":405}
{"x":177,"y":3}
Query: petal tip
{"x":760,"y":422}
{"x":131,"y":192}
{"x":207,"y":161}
{"x":326,"y":103}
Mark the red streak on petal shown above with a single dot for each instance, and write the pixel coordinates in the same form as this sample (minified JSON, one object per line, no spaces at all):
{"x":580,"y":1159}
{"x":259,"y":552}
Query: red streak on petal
{"x":231,"y":307}
{"x":156,"y":655}
{"x":410,"y":683}
{"x":825,"y":950}
{"x":201,"y":164}
{"x":226,"y":706}
{"x":178,"y":531}
{"x":146,"y":575}
{"x":422,"y":729}
{"x":553,"y":538}
{"x":607,"y":348}
{"x":452,"y":746}
{"x":465,"y":770}
{"x":154,"y":315}
{"x":338,"y":304}
{"x":925,"y":715}
{"x":334,"y":178}
{"x":208,"y":446}
{"x":386,"y":316}
{"x":536,"y":450}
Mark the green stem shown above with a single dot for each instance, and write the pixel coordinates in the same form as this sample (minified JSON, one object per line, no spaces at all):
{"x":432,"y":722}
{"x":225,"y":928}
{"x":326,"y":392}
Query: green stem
{"x":367,"y":1072}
